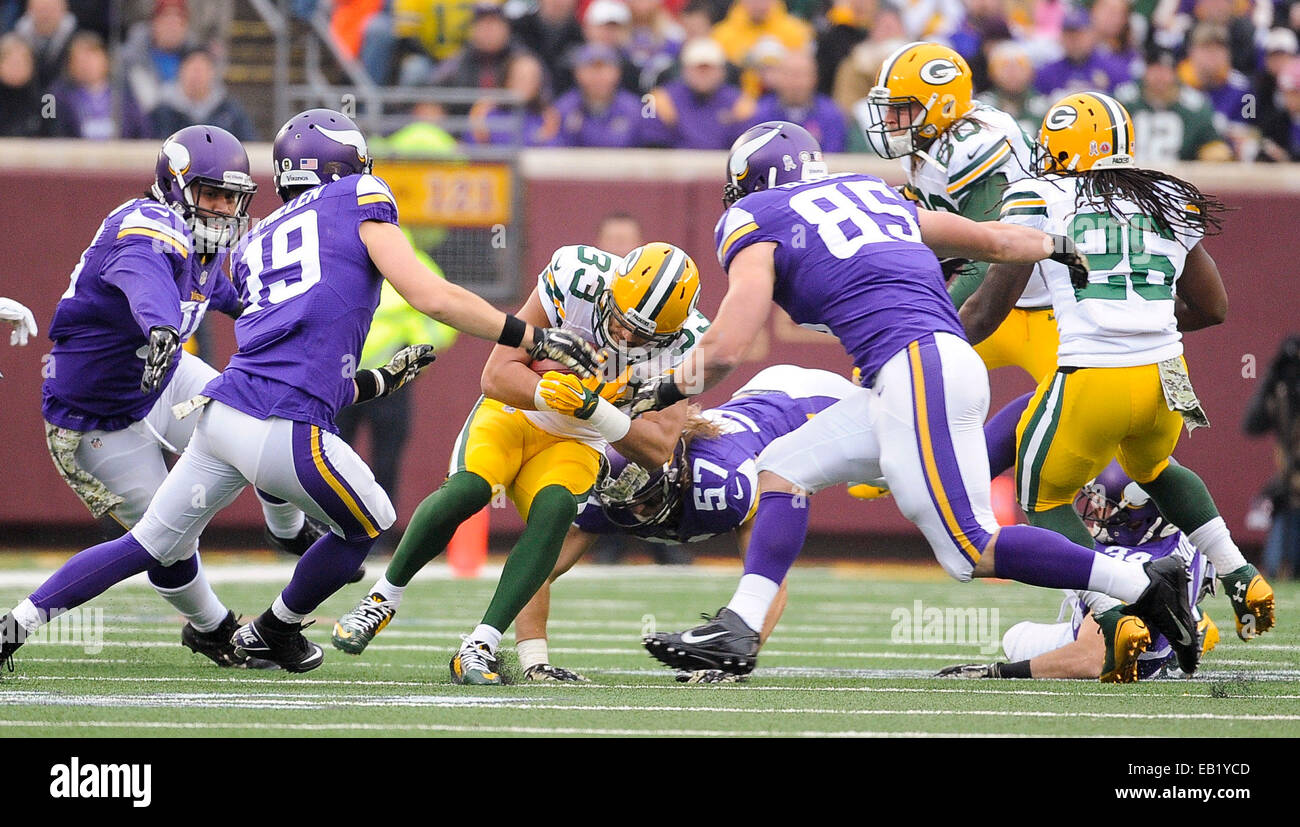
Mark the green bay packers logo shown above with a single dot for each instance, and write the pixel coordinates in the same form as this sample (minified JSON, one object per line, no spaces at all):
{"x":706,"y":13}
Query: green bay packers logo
{"x":1061,"y":117}
{"x":939,"y":71}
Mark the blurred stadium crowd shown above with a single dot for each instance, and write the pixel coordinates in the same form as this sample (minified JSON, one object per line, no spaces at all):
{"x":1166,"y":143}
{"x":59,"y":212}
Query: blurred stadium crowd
{"x":1204,"y":79}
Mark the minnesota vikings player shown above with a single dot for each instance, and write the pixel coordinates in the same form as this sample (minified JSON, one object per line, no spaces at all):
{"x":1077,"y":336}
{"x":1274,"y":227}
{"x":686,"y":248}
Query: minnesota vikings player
{"x":538,"y":440}
{"x":309,"y":276}
{"x":847,"y":254}
{"x":709,"y":487}
{"x":141,"y":288}
{"x":1127,"y":525}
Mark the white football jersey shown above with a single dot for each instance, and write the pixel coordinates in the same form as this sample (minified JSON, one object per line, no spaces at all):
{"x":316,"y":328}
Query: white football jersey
{"x":1125,"y":315}
{"x":569,"y":288}
{"x":986,"y":142}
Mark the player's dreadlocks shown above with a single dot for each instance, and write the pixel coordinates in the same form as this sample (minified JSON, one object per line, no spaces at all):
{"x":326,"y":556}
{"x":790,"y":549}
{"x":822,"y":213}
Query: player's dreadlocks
{"x":1174,"y":204}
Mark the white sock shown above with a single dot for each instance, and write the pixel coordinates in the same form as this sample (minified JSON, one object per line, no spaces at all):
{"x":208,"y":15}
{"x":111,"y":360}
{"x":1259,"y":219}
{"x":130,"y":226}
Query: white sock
{"x":29,"y":617}
{"x":486,"y":634}
{"x":391,"y":593}
{"x":197,"y":603}
{"x":1098,"y":602}
{"x":284,"y":613}
{"x":753,"y":598}
{"x":532,"y":652}
{"x":1215,"y":542}
{"x":284,"y":519}
{"x":1120,"y":579}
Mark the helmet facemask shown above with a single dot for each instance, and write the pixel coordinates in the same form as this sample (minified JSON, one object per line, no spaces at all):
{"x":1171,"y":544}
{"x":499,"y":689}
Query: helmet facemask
{"x":898,"y":124}
{"x":213,"y":230}
{"x":637,"y":498}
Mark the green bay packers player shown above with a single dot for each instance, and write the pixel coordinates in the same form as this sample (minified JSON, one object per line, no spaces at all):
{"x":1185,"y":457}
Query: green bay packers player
{"x":960,"y":155}
{"x":538,"y":440}
{"x":1121,"y":388}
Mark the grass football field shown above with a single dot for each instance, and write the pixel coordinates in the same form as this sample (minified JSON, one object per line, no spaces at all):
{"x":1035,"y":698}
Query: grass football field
{"x":852,"y":657}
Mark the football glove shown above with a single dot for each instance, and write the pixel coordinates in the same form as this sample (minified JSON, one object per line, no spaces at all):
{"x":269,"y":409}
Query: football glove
{"x":970,"y":671}
{"x":655,"y":394}
{"x":567,"y":394}
{"x":953,"y":267}
{"x":163,"y":344}
{"x":405,"y":365}
{"x":567,"y":348}
{"x":1064,"y":252}
{"x":24,"y":323}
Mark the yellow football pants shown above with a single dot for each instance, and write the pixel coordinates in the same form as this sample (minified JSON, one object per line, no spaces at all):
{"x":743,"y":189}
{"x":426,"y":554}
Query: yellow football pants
{"x":1026,"y":338}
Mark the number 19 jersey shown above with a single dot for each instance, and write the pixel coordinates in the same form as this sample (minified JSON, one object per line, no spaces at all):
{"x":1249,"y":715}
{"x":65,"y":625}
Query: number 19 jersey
{"x":1124,"y":317}
{"x":849,"y":261}
{"x":310,"y":292}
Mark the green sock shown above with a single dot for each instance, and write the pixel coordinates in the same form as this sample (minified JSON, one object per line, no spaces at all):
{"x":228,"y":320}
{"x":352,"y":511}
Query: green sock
{"x":1182,"y":498}
{"x":433,"y":523}
{"x":1064,"y":520}
{"x":533,"y":557}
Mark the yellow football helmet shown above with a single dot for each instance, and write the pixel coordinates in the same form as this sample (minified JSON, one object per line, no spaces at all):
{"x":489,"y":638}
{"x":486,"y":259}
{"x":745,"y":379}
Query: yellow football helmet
{"x":928,"y":76}
{"x":654,"y":292}
{"x":1083,"y":131}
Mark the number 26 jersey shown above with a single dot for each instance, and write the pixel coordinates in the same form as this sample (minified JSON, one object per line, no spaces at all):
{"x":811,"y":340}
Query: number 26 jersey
{"x":1124,"y":317}
{"x":310,"y":292}
{"x":849,"y":261}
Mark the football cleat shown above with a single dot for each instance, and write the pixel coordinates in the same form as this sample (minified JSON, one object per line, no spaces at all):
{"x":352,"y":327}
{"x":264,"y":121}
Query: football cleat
{"x":968,"y":671}
{"x":1164,"y":608}
{"x":217,"y":647}
{"x":725,"y":643}
{"x":1208,"y":632}
{"x":709,"y":676}
{"x":354,"y":631}
{"x":291,"y":651}
{"x":12,"y":636}
{"x":550,"y":672}
{"x":1127,"y":637}
{"x":298,"y":544}
{"x":867,"y":491}
{"x":1252,"y":601}
{"x":474,"y":664}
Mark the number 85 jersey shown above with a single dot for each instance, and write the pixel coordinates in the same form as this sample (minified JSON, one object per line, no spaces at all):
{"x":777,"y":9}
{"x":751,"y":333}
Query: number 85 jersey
{"x":310,"y":292}
{"x":1124,"y":317}
{"x":849,"y":261}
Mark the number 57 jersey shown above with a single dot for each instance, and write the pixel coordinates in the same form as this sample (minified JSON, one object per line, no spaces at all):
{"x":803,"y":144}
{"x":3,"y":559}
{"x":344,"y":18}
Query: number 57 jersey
{"x":310,"y":292}
{"x":849,"y":261}
{"x":1124,"y":317}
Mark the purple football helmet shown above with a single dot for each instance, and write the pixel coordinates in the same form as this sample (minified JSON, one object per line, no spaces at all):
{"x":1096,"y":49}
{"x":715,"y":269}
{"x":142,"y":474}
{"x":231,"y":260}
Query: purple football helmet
{"x":316,"y":147}
{"x":212,"y":157}
{"x":633,"y":497}
{"x":771,"y":154}
{"x":1117,"y":510}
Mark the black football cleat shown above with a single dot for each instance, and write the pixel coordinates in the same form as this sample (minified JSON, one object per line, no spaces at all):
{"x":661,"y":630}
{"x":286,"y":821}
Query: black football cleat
{"x":12,"y":636}
{"x":297,"y":545}
{"x":289,"y":650}
{"x":725,"y":643}
{"x":1164,"y":607}
{"x":217,"y":647}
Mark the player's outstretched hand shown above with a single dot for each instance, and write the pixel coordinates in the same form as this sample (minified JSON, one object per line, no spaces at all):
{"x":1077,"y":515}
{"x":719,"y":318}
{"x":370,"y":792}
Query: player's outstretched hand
{"x":24,"y":323}
{"x":1064,"y":252}
{"x":654,"y":394}
{"x":163,"y":344}
{"x":405,"y":365}
{"x":567,"y":348}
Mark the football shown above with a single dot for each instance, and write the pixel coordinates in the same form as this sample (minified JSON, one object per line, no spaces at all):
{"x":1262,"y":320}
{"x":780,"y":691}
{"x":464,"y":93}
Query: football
{"x":543,"y":366}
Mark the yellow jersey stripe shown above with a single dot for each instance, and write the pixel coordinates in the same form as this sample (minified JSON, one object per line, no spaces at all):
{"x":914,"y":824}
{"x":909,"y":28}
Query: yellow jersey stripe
{"x":736,"y":234}
{"x":145,"y":231}
{"x":1024,"y":202}
{"x":974,"y":174}
{"x":927,"y":456}
{"x":362,"y":200}
{"x":318,"y":457}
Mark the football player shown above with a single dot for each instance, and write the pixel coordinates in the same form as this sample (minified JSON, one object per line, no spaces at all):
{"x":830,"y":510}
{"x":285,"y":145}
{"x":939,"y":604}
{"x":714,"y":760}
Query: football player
{"x":537,"y":439}
{"x":139,"y":291}
{"x":1123,"y":519}
{"x":1121,"y":389}
{"x":848,"y":254}
{"x":309,"y":277}
{"x":959,"y":156}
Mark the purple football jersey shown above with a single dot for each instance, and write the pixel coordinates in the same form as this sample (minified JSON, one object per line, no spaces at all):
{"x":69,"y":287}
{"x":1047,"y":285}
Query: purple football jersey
{"x":723,"y":483}
{"x":310,"y":292}
{"x":849,"y":261}
{"x":139,"y":272}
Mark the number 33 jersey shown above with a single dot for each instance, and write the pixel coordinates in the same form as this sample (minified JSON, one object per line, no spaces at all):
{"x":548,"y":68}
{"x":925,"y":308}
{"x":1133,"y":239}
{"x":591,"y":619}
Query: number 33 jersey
{"x":849,"y":261}
{"x":310,"y":292}
{"x":1124,"y":317}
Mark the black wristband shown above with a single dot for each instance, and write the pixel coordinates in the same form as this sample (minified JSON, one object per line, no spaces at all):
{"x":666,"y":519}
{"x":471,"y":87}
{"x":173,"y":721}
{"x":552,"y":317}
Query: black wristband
{"x":368,"y":384}
{"x":512,"y":334}
{"x":1019,"y":669}
{"x":667,"y":393}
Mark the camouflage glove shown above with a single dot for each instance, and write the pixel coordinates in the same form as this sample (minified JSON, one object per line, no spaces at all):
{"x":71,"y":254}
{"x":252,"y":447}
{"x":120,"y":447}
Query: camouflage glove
{"x":163,"y":344}
{"x":1064,"y":252}
{"x":567,"y":348}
